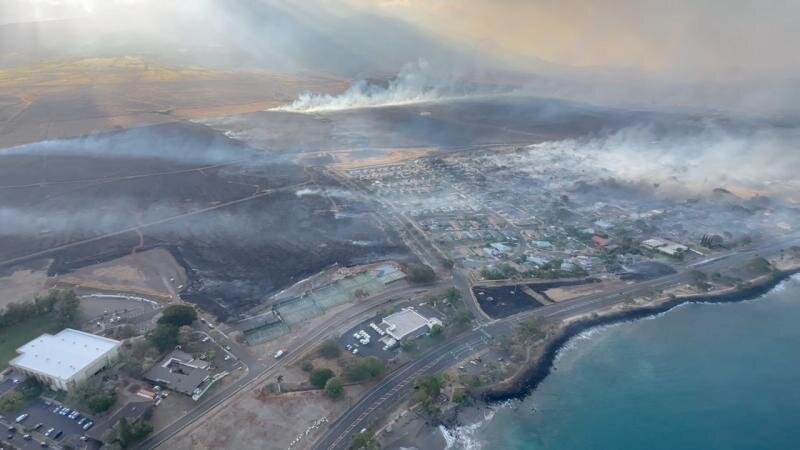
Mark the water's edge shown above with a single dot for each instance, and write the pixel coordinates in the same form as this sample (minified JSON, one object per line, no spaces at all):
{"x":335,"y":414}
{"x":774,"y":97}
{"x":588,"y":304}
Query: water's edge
{"x":529,"y":379}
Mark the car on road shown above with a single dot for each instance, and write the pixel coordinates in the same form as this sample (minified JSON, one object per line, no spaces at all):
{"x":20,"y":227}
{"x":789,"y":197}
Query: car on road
{"x":280,"y":353}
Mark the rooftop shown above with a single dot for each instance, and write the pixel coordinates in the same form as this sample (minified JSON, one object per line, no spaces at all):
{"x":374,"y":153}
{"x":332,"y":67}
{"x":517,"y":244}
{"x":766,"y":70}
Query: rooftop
{"x":63,"y":355}
{"x":405,"y":322}
{"x":179,"y":372}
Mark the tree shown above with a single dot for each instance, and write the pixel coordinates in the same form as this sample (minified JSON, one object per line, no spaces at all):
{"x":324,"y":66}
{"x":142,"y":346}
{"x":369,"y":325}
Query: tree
{"x":329,"y":350}
{"x":429,"y":386}
{"x":124,"y":434}
{"x":11,"y":402}
{"x":364,"y":369}
{"x":100,"y":402}
{"x":334,"y":388}
{"x":364,"y":441}
{"x":185,"y":334}
{"x":320,"y":376}
{"x":462,"y":317}
{"x":436,"y":330}
{"x":453,"y":295}
{"x":307,"y":366}
{"x":420,"y":273}
{"x":164,"y":336}
{"x":178,"y":315}
{"x":531,"y":330}
{"x":65,"y":309}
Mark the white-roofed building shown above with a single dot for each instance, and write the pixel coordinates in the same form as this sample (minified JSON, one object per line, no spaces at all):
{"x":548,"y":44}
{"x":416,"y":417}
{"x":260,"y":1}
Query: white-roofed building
{"x":69,"y":357}
{"x":407,"y":323}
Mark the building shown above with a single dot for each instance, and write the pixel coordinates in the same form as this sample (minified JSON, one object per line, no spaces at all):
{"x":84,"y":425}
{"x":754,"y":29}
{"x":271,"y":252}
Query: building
{"x":69,"y":357}
{"x":180,"y":372}
{"x":664,"y":246}
{"x":405,"y":324}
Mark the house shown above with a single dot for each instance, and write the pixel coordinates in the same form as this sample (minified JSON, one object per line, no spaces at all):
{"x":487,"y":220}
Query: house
{"x":180,"y":372}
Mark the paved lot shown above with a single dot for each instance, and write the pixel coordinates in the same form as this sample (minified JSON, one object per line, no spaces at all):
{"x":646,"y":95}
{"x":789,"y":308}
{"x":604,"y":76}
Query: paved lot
{"x":40,"y":412}
{"x":375,"y":346}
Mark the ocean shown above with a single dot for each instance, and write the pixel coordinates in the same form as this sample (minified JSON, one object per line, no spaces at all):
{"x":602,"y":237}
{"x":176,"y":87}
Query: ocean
{"x":701,"y":376}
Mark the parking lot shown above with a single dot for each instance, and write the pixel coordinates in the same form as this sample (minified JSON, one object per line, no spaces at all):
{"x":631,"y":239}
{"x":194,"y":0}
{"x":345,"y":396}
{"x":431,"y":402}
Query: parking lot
{"x":373,"y":348}
{"x":39,"y":412}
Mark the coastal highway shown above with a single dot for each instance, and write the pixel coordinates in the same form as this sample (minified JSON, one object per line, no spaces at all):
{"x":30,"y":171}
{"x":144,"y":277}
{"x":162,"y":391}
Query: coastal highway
{"x":259,"y":371}
{"x":394,"y":387}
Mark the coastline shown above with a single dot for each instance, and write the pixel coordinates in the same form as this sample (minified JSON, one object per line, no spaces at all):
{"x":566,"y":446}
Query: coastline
{"x":535,"y":371}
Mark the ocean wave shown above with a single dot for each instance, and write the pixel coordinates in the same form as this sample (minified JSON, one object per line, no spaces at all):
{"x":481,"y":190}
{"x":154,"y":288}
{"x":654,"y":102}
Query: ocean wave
{"x":464,"y":437}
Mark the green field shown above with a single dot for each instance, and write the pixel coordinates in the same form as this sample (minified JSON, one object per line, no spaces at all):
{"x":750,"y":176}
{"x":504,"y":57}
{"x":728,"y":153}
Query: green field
{"x":13,"y":337}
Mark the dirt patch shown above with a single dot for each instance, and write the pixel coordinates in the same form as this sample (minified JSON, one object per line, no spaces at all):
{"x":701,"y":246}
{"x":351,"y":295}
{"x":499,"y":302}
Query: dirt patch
{"x":22,"y":285}
{"x":560,"y":294}
{"x":267,"y":421}
{"x":152,"y":273}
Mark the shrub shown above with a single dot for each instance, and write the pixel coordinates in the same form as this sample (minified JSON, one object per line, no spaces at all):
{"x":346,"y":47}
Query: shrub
{"x":320,"y":376}
{"x":307,"y":366}
{"x":329,"y":350}
{"x":334,"y":388}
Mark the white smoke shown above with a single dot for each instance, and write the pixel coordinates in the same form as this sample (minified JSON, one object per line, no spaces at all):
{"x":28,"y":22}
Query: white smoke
{"x":415,"y":83}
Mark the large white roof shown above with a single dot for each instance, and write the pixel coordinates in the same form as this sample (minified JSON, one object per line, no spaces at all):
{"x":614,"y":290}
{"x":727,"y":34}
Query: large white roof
{"x":63,"y":355}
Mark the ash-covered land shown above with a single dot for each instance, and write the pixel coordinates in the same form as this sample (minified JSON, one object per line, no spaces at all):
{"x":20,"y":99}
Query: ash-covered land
{"x":244,"y":225}
{"x":505,"y":185}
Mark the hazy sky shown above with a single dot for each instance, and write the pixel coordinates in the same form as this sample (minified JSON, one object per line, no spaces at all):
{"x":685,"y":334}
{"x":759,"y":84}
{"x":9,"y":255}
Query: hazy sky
{"x":734,"y":53}
{"x":708,"y":39}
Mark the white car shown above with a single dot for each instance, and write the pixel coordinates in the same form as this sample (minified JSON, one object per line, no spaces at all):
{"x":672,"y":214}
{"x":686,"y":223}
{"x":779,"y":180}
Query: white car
{"x":280,"y":353}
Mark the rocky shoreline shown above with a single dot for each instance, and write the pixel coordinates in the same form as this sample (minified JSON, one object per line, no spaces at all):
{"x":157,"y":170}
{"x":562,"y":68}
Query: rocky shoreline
{"x":526,"y":381}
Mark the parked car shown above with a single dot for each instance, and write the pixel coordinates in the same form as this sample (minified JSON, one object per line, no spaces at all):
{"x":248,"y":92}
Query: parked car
{"x":88,"y":425}
{"x":21,"y":417}
{"x":49,"y":432}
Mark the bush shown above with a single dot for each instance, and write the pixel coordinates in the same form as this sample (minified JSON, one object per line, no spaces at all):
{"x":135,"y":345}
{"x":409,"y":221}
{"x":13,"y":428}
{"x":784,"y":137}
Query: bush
{"x":436,"y":330}
{"x":334,"y":388}
{"x":178,"y":315}
{"x":319,"y":377}
{"x":307,"y":366}
{"x":329,"y":350}
{"x":365,"y":369}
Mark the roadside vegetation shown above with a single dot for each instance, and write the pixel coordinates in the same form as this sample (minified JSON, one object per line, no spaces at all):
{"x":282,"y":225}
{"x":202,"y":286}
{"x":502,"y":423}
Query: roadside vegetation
{"x":364,"y":369}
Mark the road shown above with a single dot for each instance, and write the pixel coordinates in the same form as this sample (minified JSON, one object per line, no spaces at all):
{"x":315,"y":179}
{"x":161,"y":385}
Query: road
{"x":259,"y":371}
{"x":392,"y":389}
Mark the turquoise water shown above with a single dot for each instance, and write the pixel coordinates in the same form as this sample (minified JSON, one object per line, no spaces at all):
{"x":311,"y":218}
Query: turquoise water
{"x":702,"y":376}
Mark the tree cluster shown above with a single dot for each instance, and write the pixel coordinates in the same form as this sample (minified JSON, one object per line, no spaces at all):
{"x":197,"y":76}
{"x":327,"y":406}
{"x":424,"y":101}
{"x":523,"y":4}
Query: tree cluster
{"x":364,"y":369}
{"x":127,"y":433}
{"x":167,"y":333}
{"x":62,"y":304}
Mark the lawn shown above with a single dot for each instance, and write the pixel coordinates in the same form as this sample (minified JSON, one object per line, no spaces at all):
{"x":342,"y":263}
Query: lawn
{"x":13,"y":337}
